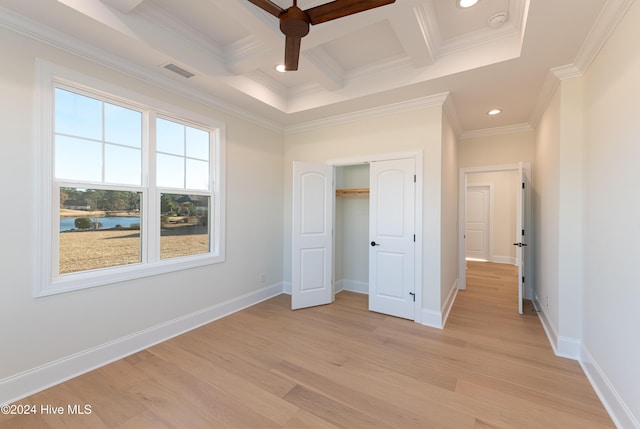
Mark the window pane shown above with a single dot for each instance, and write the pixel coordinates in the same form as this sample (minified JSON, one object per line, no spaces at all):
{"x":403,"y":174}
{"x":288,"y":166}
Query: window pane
{"x":184,"y":221}
{"x":78,"y":159}
{"x":122,"y":126}
{"x":77,"y":115}
{"x":170,"y":171}
{"x":98,"y":229}
{"x":122,"y":165}
{"x":197,"y":174}
{"x":169,"y":137}
{"x":197,"y":143}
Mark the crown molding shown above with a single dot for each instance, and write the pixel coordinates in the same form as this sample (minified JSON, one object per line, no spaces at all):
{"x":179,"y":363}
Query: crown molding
{"x":605,"y":24}
{"x":160,"y":17}
{"x":386,"y":65}
{"x":607,"y":21}
{"x":328,"y":71}
{"x":546,"y":93}
{"x":425,"y":15}
{"x":388,"y":109}
{"x":452,"y":114}
{"x":59,"y":40}
{"x":497,"y":131}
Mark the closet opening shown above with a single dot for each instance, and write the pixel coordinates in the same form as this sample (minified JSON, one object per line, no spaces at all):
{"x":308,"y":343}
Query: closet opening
{"x":351,"y":229}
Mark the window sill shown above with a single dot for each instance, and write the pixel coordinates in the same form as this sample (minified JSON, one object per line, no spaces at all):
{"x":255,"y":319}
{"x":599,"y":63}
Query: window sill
{"x":107,"y":276}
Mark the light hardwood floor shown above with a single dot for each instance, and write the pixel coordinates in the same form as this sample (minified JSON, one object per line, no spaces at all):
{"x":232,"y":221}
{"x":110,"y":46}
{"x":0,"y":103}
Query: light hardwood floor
{"x":342,"y":366}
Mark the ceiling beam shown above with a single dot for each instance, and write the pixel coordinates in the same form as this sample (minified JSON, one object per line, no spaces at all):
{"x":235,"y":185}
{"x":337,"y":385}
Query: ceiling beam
{"x":248,"y":54}
{"x":416,"y":34}
{"x":324,"y":69}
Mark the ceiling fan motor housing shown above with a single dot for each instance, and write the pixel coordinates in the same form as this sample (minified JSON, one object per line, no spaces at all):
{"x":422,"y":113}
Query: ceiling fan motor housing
{"x":294,"y":22}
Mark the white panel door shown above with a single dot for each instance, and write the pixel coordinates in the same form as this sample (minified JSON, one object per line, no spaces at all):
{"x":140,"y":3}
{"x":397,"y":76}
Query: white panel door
{"x":477,"y":227}
{"x":391,"y":234}
{"x":313,"y":197}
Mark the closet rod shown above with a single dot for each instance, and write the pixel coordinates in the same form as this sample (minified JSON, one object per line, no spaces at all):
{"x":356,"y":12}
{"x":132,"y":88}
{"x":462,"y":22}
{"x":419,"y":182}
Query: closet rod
{"x":352,"y":192}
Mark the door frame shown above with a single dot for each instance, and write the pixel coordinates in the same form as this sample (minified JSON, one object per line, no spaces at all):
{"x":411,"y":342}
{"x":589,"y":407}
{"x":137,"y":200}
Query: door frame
{"x":489,"y":187}
{"x":417,"y":156}
{"x":462,"y":201}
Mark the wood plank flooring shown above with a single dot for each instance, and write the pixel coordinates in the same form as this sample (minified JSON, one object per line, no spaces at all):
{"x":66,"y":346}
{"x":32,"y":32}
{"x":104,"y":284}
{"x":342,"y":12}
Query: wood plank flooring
{"x":341,"y":366}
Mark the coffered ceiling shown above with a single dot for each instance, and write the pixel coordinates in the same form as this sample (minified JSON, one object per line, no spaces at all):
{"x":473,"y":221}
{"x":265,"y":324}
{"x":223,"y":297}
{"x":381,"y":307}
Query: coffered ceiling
{"x":496,"y":54}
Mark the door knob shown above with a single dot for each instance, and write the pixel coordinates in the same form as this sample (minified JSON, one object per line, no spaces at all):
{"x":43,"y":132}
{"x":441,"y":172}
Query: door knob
{"x":373,"y":243}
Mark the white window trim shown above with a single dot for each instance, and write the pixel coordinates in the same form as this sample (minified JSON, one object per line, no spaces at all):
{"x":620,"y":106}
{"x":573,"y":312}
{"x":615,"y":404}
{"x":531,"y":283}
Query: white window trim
{"x":47,"y":74}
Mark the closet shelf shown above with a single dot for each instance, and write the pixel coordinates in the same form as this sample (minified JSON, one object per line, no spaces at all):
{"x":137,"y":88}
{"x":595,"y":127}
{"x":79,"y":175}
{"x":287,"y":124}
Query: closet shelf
{"x":352,"y":192}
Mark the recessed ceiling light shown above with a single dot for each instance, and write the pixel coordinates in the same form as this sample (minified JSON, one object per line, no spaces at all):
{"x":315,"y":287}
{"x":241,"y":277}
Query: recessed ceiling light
{"x":494,"y":112}
{"x":466,"y":3}
{"x":281,"y":68}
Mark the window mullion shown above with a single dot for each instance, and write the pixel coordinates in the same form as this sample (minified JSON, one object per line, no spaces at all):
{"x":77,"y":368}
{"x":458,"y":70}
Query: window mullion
{"x":152,"y":200}
{"x":104,"y":149}
{"x":184,"y":159}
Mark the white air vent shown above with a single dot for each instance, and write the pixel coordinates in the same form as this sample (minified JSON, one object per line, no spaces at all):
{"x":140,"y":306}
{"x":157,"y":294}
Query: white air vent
{"x":179,"y":70}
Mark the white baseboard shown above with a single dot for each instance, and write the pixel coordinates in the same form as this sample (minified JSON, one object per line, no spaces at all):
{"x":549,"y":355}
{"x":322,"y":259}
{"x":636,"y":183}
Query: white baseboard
{"x":286,"y":288}
{"x":354,"y":286}
{"x":574,"y":349}
{"x":565,"y":347}
{"x":37,"y":379}
{"x":615,"y":406}
{"x":432,"y":319}
{"x":448,"y":304}
{"x":568,"y":347}
{"x":437,"y":319}
{"x":504,"y":260}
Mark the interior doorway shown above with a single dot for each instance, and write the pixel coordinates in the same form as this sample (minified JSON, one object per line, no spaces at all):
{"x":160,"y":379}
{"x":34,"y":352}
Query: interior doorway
{"x":479,"y":222}
{"x":351,"y":237}
{"x":510,"y":220}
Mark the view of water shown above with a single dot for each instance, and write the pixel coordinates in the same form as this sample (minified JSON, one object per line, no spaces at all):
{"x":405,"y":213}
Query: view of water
{"x":67,"y":223}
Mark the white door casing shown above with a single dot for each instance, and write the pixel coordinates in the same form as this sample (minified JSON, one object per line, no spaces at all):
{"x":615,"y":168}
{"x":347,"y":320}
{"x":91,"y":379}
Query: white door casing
{"x":313,"y":199}
{"x":521,"y":244}
{"x":392,"y":238}
{"x":525,"y":206}
{"x":478,"y":225}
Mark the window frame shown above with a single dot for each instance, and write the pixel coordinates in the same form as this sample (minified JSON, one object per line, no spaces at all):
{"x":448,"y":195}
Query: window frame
{"x":47,"y":280}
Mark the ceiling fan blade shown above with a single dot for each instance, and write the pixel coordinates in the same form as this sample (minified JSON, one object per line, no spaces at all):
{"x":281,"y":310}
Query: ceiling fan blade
{"x":268,"y":6}
{"x":292,"y":53}
{"x":339,"y":8}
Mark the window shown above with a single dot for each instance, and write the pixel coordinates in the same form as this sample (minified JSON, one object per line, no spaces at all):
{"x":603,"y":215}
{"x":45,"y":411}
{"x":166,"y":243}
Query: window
{"x":129,"y":187}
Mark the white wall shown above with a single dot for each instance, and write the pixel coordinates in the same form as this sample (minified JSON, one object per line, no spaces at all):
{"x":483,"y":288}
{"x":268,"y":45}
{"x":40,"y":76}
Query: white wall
{"x":558,"y":216}
{"x":400,"y":132}
{"x":570,"y":217}
{"x":611,"y":290}
{"x":586,"y":216}
{"x":500,"y":149}
{"x":46,"y":329}
{"x":546,"y":170}
{"x":449,"y":216}
{"x":503,"y":231}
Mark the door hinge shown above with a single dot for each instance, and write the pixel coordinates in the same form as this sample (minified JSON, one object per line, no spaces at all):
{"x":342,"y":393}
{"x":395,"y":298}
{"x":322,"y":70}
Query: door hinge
{"x":414,"y":178}
{"x":523,"y":232}
{"x":414,"y":238}
{"x":522,"y":185}
{"x":413,"y":295}
{"x":522,"y":279}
